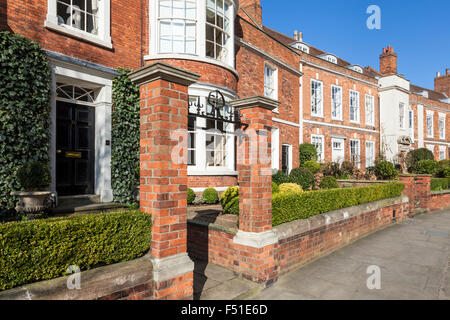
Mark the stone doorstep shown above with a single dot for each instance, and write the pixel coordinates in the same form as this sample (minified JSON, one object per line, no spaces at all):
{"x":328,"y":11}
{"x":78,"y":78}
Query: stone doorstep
{"x":91,"y":208}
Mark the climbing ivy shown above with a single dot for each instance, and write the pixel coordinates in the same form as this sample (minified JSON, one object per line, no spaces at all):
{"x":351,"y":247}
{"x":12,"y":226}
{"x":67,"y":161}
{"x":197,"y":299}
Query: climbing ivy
{"x":125,"y":138}
{"x":25,"y":92}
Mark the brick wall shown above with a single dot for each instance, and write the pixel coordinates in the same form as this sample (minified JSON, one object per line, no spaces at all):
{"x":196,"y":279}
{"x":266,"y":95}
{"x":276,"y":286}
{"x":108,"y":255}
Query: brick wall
{"x":27,"y":18}
{"x":212,"y":181}
{"x":442,"y":83}
{"x":439,"y":200}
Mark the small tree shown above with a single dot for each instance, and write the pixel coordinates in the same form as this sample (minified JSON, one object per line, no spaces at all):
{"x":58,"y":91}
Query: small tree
{"x":308,"y":152}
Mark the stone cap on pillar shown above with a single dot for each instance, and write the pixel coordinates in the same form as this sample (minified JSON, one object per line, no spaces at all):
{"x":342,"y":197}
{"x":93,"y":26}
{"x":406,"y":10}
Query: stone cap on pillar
{"x":255,"y":101}
{"x":163,"y":71}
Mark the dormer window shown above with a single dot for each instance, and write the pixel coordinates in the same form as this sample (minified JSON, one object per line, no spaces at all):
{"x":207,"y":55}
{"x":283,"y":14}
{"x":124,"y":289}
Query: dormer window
{"x":329,"y":58}
{"x":301,"y":46}
{"x":356,"y":68}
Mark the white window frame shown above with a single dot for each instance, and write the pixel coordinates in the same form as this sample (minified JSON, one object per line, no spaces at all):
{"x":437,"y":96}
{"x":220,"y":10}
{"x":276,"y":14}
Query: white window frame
{"x":431,"y":148}
{"x":442,"y":128}
{"x":370,"y":158}
{"x":401,"y":115}
{"x":429,"y":115}
{"x":289,"y":146}
{"x":274,"y":81}
{"x":370,"y":102}
{"x":410,"y":119}
{"x":338,"y":115}
{"x":319,"y":107}
{"x":320,"y":153}
{"x":442,"y":150}
{"x":275,"y":148}
{"x":358,"y":106}
{"x":103,"y":36}
{"x":358,"y":162}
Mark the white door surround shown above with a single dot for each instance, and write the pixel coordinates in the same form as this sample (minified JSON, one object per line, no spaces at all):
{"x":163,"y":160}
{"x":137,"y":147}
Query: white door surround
{"x":338,"y":150}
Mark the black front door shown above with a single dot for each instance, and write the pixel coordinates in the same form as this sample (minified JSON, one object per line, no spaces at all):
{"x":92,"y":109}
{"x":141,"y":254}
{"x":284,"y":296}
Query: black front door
{"x":74,"y":149}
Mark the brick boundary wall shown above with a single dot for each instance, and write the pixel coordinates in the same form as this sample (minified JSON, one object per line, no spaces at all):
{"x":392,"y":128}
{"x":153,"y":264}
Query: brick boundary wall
{"x":299,"y":242}
{"x":439,"y":200}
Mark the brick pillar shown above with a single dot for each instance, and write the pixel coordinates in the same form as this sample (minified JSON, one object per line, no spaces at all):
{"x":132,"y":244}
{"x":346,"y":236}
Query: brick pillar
{"x":423,"y":191}
{"x":256,"y":241}
{"x":409,"y":191}
{"x":163,"y":193}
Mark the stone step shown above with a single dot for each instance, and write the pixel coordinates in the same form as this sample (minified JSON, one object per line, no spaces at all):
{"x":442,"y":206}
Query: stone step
{"x":80,"y":200}
{"x":91,"y":208}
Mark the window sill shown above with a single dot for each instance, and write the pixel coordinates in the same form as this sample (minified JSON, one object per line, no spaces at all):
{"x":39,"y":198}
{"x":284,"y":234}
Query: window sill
{"x":206,"y":172}
{"x":78,"y":34}
{"x":317,"y":116}
{"x":336,"y":119}
{"x":355,"y":122}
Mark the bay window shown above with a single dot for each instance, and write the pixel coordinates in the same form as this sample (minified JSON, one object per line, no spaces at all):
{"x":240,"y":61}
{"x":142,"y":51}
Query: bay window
{"x":336,"y":102}
{"x":316,"y":98}
{"x":177,"y":26}
{"x":354,"y":106}
{"x":218,"y":29}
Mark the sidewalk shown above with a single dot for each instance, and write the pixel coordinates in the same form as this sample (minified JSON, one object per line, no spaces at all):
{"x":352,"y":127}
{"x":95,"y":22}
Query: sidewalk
{"x":413,"y":257}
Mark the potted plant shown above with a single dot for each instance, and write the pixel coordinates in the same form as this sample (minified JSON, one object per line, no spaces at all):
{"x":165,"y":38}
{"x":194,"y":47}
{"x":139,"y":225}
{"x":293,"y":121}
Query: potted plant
{"x":34,"y":177}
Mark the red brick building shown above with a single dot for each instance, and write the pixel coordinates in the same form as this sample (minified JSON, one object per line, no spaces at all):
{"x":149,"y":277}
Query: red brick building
{"x":342,"y":108}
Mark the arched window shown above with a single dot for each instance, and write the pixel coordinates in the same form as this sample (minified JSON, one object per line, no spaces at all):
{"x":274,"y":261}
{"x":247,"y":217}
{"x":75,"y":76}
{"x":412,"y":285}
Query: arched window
{"x":70,"y":92}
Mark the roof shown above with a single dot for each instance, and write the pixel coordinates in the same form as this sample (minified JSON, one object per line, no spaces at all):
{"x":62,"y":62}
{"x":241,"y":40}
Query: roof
{"x":432,"y":95}
{"x":286,"y":40}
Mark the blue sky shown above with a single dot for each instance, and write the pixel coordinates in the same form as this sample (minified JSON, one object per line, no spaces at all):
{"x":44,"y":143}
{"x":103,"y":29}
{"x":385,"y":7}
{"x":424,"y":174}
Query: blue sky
{"x":419,"y":31}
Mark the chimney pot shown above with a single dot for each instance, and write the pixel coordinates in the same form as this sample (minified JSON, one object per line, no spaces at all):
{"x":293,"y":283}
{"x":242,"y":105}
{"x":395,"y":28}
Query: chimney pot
{"x":296,"y":35}
{"x":447,"y":71}
{"x":300,"y":37}
{"x":438,"y":74}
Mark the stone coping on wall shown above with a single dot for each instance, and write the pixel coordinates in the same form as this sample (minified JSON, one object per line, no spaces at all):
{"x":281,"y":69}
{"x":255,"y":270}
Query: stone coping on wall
{"x":436,"y":193}
{"x":213,"y":218}
{"x":290,"y":229}
{"x":118,"y":279}
{"x":365,"y":181}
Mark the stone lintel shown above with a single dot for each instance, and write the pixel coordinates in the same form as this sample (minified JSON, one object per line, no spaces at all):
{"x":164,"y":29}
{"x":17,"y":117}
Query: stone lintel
{"x":255,"y":239}
{"x":171,"y":267}
{"x":163,"y":71}
{"x":256,"y":101}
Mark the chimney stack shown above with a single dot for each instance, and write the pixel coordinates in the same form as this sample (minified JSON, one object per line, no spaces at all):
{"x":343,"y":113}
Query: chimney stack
{"x":296,"y":35}
{"x":442,"y":82}
{"x":388,"y":62}
{"x":300,"y":37}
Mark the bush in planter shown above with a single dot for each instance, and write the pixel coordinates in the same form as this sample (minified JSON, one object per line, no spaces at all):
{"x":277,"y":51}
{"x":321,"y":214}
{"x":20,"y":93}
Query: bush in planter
{"x":210,"y":196}
{"x":25,"y":91}
{"x":329,"y":183}
{"x":332,"y":169}
{"x":190,"y":196}
{"x":230,"y":200}
{"x":385,"y":170}
{"x":303,"y":177}
{"x":425,"y":167}
{"x":415,"y":156}
{"x":308,"y":152}
{"x":280,"y":177}
{"x":313,"y":166}
{"x":34,"y":176}
{"x":275,"y":188}
{"x":290,"y":188}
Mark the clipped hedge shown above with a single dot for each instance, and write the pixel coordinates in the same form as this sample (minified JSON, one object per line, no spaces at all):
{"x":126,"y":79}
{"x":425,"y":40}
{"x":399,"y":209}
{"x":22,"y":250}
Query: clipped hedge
{"x":290,"y":188}
{"x":25,"y":92}
{"x":280,"y":177}
{"x":329,"y":183}
{"x":438,"y":184}
{"x":125,"y":138}
{"x":230,"y":200}
{"x":210,"y":196}
{"x":290,"y":207}
{"x":302,"y":176}
{"x":190,"y":196}
{"x":39,"y":250}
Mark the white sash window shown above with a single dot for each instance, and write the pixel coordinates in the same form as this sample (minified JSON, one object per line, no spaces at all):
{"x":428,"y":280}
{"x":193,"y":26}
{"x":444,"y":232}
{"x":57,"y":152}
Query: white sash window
{"x":316,"y":98}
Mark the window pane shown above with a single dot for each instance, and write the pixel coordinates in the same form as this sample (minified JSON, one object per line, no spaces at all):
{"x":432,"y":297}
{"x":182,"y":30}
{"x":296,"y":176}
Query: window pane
{"x":178,"y":9}
{"x":165,"y":10}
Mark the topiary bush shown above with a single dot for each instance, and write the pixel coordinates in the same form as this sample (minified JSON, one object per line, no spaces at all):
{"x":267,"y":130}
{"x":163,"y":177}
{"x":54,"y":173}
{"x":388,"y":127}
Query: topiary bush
{"x":125,"y":138}
{"x":230,"y":200}
{"x":385,"y":170}
{"x":25,"y":92}
{"x":275,"y":188}
{"x":210,"y":196}
{"x":329,"y":183}
{"x":425,"y":167}
{"x":280,"y":177}
{"x":303,"y":177}
{"x":288,"y":207}
{"x":415,"y":156}
{"x":313,"y":166}
{"x":190,"y":196}
{"x":33,"y":176}
{"x":308,"y":152}
{"x":290,"y":188}
{"x":39,"y":250}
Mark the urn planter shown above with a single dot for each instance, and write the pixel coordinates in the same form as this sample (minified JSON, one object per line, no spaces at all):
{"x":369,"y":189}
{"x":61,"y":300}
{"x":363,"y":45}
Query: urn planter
{"x":31,"y":202}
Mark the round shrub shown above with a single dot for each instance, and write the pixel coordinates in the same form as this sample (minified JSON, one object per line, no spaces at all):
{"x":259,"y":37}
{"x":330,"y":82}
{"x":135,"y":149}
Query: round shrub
{"x":415,"y":156}
{"x":313,"y":166}
{"x":290,"y":188}
{"x":190,"y":196}
{"x":25,"y":91}
{"x":347,"y":168}
{"x":443,"y":168}
{"x":425,"y":167}
{"x":210,"y":196}
{"x":280,"y":177}
{"x":308,"y":152}
{"x":125,"y":138}
{"x":329,"y":183}
{"x":34,"y":176}
{"x":275,"y":188}
{"x":332,"y":169}
{"x":302,"y":176}
{"x":230,"y":200}
{"x":385,"y":170}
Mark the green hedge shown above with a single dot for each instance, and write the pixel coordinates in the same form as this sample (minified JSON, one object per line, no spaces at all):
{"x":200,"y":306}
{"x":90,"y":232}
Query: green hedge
{"x":25,"y":92}
{"x":125,"y":138}
{"x":43,"y":249}
{"x":290,"y":207}
{"x":438,"y":184}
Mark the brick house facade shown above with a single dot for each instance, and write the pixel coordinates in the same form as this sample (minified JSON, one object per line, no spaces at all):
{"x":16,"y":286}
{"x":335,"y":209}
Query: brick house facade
{"x":340,"y":107}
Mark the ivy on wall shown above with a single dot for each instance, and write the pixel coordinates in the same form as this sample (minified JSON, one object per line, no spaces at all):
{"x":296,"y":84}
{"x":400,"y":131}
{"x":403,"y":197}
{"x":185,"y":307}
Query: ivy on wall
{"x":25,"y":91}
{"x":125,"y":138}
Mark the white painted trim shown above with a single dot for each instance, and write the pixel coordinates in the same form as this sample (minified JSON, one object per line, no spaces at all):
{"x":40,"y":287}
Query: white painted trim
{"x":301,"y":106}
{"x":339,"y":126}
{"x":218,"y":189}
{"x":289,"y":123}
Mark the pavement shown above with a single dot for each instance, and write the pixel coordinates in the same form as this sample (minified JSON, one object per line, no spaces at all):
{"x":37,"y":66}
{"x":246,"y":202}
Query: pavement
{"x":411,"y":260}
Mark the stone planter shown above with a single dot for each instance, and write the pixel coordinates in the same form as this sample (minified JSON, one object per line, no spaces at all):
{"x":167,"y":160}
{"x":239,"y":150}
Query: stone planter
{"x":31,"y":202}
